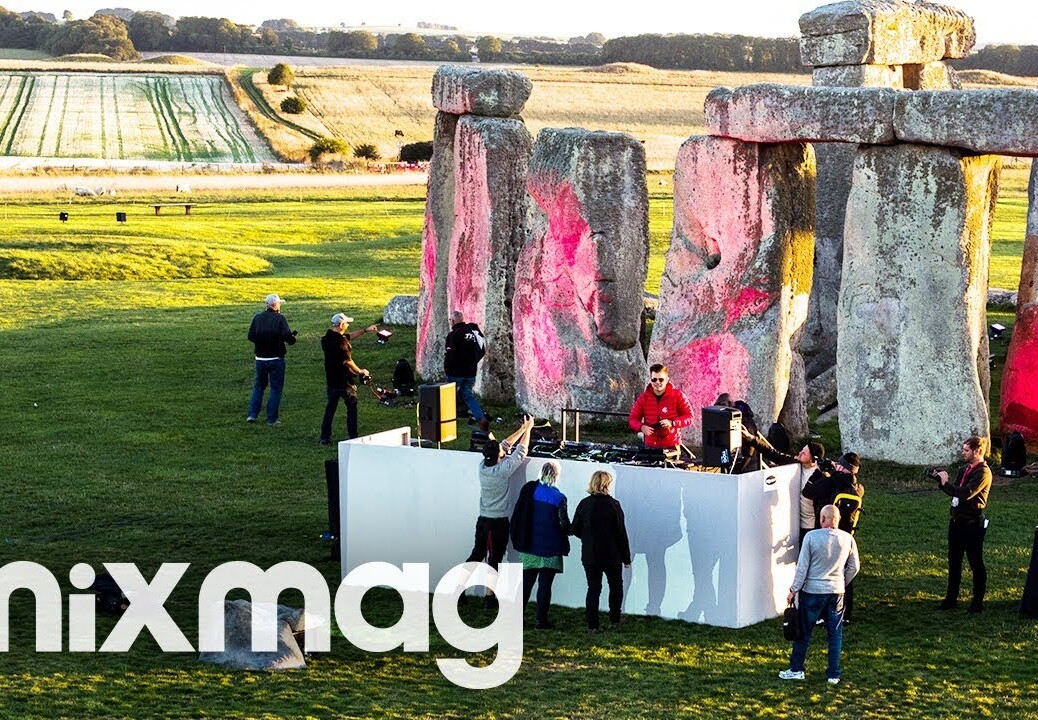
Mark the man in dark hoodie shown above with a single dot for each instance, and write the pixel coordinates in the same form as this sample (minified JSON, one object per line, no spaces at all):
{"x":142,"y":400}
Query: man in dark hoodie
{"x":341,"y":374}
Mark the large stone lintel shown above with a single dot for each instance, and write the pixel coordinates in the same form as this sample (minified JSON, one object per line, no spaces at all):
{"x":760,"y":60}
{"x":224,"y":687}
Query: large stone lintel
{"x":769,"y":112}
{"x":1003,"y":121}
{"x":884,"y":32}
{"x":480,"y":91}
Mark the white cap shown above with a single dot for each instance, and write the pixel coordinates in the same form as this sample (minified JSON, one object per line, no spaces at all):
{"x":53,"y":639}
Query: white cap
{"x":338,"y":319}
{"x":273,"y":300}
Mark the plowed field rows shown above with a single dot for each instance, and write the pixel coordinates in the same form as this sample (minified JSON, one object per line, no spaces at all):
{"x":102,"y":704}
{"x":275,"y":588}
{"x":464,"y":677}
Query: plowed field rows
{"x":123,"y":116}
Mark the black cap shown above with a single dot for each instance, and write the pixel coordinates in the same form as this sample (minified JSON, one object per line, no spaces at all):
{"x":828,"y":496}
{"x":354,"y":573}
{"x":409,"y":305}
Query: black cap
{"x":850,"y":461}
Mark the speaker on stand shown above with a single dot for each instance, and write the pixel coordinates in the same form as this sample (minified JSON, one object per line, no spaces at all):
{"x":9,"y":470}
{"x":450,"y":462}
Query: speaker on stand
{"x":437,"y":413}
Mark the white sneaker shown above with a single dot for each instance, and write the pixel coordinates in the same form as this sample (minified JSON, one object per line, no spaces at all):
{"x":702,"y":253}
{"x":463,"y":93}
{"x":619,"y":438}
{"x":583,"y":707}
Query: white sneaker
{"x":791,"y":675}
{"x":834,"y":681}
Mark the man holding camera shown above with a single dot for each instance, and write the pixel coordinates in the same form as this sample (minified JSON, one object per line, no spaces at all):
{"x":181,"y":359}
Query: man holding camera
{"x":660,"y":411}
{"x":825,"y":484}
{"x":341,"y":373}
{"x":269,"y":333}
{"x":968,"y":526}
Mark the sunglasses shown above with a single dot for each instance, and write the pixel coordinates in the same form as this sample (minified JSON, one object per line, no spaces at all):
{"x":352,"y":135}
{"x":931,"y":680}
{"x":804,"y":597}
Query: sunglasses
{"x":658,"y":380}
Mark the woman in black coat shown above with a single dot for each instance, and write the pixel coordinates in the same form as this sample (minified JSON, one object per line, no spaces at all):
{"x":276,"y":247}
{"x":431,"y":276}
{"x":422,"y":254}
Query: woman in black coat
{"x":599,"y":523}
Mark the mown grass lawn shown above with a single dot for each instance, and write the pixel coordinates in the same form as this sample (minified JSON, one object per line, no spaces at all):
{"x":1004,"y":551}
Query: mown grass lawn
{"x":123,"y":405}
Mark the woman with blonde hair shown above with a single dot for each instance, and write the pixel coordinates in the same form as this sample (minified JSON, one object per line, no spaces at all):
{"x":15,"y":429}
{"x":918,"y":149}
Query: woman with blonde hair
{"x":599,"y":523}
{"x":540,"y":533}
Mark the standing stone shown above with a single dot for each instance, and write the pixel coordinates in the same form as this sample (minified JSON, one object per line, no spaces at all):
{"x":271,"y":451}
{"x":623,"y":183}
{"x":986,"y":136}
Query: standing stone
{"x":913,"y":372}
{"x":491,"y":157}
{"x":433,"y":318}
{"x":819,"y":343}
{"x":1018,"y":409}
{"x":734,"y":292}
{"x":578,"y":294}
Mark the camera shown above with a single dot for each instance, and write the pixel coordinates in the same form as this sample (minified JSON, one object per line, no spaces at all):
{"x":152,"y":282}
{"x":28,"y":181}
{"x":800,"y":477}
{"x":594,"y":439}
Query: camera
{"x":930,"y":473}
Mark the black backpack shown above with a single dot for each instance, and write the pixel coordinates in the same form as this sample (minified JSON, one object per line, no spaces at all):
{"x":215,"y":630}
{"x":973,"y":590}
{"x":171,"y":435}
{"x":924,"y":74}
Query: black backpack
{"x":108,"y":596}
{"x":403,"y":378}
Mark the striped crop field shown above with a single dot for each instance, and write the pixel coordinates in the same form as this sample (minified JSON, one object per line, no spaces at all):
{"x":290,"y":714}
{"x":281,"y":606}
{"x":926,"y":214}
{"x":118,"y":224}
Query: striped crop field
{"x":124,"y":116}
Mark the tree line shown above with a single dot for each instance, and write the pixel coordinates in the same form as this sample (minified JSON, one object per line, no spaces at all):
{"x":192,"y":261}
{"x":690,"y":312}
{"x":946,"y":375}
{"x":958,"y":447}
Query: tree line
{"x":1019,"y":60}
{"x":121,"y":34}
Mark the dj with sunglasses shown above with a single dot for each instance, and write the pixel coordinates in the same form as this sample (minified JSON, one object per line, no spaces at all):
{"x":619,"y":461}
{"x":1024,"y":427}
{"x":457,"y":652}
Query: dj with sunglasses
{"x":660,"y":412}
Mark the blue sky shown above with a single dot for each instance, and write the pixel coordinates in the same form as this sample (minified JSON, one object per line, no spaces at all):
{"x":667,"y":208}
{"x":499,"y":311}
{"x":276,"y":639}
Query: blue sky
{"x":997,"y":21}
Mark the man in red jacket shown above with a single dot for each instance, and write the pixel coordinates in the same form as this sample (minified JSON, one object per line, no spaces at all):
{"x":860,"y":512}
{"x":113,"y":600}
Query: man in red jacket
{"x":660,"y":411}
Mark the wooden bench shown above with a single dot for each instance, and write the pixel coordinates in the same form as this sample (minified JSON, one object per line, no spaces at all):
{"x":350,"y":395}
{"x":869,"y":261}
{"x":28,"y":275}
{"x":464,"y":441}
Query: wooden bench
{"x":187,"y":207}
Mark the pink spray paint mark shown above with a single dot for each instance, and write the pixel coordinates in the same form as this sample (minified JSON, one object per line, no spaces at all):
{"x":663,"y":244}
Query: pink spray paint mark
{"x":1018,"y":409}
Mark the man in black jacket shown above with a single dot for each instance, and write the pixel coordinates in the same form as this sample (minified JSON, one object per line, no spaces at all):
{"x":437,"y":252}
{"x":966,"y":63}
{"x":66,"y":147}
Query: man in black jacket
{"x":341,"y":374}
{"x":270,"y":333}
{"x":968,"y":525}
{"x":465,"y":347}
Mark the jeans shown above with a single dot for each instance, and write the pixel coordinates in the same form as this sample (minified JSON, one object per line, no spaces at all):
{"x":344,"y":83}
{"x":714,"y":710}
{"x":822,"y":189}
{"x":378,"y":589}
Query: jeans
{"x":812,"y":607}
{"x":966,"y":538}
{"x":270,"y":372}
{"x":348,"y":395}
{"x":465,"y":386}
{"x":614,"y":575}
{"x":544,"y":578}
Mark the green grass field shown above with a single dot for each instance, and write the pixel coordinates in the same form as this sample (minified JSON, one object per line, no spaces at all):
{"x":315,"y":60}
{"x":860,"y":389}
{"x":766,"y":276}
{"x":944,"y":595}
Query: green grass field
{"x":124,"y":440}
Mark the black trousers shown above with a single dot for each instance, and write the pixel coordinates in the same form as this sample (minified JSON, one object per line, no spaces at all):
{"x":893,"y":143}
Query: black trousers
{"x":491,"y":541}
{"x":544,"y":578}
{"x":614,"y":575}
{"x":966,"y":538}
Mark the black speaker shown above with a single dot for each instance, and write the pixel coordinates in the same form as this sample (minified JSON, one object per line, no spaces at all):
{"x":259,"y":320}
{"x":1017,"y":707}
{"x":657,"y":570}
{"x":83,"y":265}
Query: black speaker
{"x":722,"y":435}
{"x":1014,"y":456}
{"x":1029,"y":603}
{"x":437,"y":412}
{"x":120,"y":217}
{"x":63,"y":216}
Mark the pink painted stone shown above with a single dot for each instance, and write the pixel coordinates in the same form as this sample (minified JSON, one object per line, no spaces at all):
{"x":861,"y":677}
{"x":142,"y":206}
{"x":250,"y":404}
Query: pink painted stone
{"x":733,"y":297}
{"x":491,"y":156}
{"x":578,"y":295}
{"x":433,"y":317}
{"x":1019,"y":405}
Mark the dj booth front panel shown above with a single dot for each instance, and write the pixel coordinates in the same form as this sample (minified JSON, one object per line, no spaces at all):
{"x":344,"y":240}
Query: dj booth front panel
{"x":708,"y":547}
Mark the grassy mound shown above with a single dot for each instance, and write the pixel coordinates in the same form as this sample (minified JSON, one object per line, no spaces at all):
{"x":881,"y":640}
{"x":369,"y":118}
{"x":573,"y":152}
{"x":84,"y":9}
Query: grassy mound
{"x":623,"y":68}
{"x":83,"y":57}
{"x":990,"y":77}
{"x":175,"y":60}
{"x":113,"y":260}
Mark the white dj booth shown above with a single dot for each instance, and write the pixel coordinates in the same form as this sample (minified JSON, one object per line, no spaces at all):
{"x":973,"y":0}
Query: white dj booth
{"x":707,"y":547}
